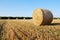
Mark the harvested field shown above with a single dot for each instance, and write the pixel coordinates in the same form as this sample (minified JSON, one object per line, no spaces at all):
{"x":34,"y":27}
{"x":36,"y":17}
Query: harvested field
{"x":26,"y":30}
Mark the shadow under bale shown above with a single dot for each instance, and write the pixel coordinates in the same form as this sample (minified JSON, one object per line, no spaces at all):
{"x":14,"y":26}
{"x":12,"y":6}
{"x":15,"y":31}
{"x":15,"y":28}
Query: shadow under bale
{"x":52,"y":24}
{"x":55,"y":23}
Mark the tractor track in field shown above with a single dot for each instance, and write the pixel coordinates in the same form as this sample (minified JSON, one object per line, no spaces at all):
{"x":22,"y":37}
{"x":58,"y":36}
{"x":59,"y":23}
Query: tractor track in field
{"x":15,"y":32}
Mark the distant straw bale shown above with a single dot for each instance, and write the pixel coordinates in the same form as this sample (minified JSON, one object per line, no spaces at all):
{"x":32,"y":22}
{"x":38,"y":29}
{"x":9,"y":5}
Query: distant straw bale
{"x":42,"y":17}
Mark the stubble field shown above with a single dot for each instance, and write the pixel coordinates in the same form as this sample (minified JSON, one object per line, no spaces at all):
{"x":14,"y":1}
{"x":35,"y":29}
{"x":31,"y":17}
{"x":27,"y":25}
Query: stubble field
{"x":26,"y":30}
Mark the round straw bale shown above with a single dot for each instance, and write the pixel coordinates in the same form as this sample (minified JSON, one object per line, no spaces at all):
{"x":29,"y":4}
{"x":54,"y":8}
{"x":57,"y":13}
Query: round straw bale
{"x":42,"y":17}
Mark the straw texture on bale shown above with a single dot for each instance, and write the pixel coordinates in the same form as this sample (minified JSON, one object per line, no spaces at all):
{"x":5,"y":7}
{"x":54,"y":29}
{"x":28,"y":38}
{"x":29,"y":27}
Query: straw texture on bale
{"x":42,"y":17}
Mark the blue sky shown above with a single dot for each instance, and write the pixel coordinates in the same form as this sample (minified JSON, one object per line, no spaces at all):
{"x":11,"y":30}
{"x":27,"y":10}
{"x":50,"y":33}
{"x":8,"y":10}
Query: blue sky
{"x":26,"y":7}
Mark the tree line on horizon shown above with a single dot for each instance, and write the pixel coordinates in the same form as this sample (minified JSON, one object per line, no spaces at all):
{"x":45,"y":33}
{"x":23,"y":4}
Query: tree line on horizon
{"x":15,"y":17}
{"x":21,"y":18}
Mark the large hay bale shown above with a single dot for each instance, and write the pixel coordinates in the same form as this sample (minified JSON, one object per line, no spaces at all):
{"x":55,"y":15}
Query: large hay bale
{"x":42,"y":17}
